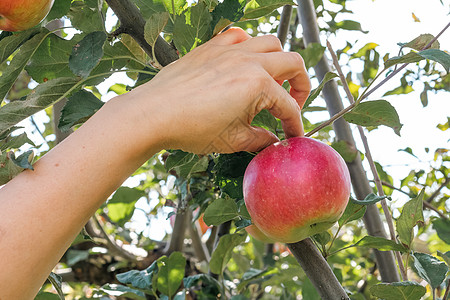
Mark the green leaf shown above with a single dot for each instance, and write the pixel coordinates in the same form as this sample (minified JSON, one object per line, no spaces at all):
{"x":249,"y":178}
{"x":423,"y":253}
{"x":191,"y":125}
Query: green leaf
{"x":445,"y":256}
{"x":118,"y":290}
{"x":220,"y":211}
{"x":186,"y":164}
{"x":352,"y":212}
{"x":322,"y":238}
{"x":43,"y":96}
{"x":375,"y":113}
{"x":74,"y":256}
{"x":430,"y":268}
{"x":11,"y":43}
{"x":121,"y":205}
{"x":346,"y":150}
{"x":312,"y":54}
{"x":8,"y":169}
{"x":190,"y":30}
{"x":370,"y":199}
{"x":259,"y":8}
{"x":379,"y":243}
{"x":46,"y":296}
{"x":191,"y":281}
{"x":412,"y":214}
{"x":56,"y":281}
{"x":400,"y":90}
{"x":87,"y":53}
{"x":18,"y":63}
{"x":171,"y":273}
{"x":437,"y":55}
{"x":59,"y":9}
{"x":411,"y":57}
{"x":265,"y":120}
{"x":226,"y":13}
{"x":51,"y":59}
{"x":223,"y":251}
{"x":178,"y":158}
{"x":23,"y":160}
{"x":407,"y":290}
{"x":149,"y":7}
{"x":15,"y":142}
{"x":315,"y":92}
{"x":79,"y":107}
{"x":420,"y":42}
{"x":85,"y":18}
{"x":442,"y":228}
{"x":349,"y":25}
{"x":139,"y":279}
{"x":154,"y":26}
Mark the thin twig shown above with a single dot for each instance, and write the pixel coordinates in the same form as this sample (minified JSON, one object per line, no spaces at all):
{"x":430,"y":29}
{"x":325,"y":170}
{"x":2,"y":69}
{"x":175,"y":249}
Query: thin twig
{"x":436,"y":192}
{"x":377,"y":179}
{"x":446,"y":291}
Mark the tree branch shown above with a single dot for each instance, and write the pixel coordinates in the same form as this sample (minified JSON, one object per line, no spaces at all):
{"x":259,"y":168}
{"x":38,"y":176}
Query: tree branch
{"x":133,"y":24}
{"x":373,"y":224}
{"x":317,"y":270}
{"x":200,"y":249}
{"x":285,"y":21}
{"x":436,"y":192}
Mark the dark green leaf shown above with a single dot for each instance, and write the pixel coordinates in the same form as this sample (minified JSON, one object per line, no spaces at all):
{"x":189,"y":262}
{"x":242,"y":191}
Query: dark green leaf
{"x":437,"y":55}
{"x":430,"y":268}
{"x":14,"y":142}
{"x":442,"y":228}
{"x":379,"y":243}
{"x":225,"y":13}
{"x":80,"y":106}
{"x":352,"y":212}
{"x":123,"y":291}
{"x":312,"y":54}
{"x":191,"y":281}
{"x":412,"y":214}
{"x":149,"y":7}
{"x":84,"y":17}
{"x":23,"y":160}
{"x":407,"y":290}
{"x":8,"y":169}
{"x":259,"y":8}
{"x":178,"y":158}
{"x":10,"y":44}
{"x":171,"y":273}
{"x":51,"y":59}
{"x":223,"y":251}
{"x":322,"y":238}
{"x":420,"y":42}
{"x":411,"y":57}
{"x":59,"y":9}
{"x":43,"y":96}
{"x":315,"y":92}
{"x":220,"y":211}
{"x":370,"y":199}
{"x":265,"y":120}
{"x":346,"y":150}
{"x":74,"y":256}
{"x":445,"y":256}
{"x":190,"y":30}
{"x":87,"y":53}
{"x":121,"y":205}
{"x":46,"y":296}
{"x":375,"y":113}
{"x":18,"y":63}
{"x":56,"y":281}
{"x":139,"y":279}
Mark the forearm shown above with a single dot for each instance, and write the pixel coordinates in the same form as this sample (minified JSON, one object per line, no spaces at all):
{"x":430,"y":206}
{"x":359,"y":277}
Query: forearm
{"x":48,"y":207}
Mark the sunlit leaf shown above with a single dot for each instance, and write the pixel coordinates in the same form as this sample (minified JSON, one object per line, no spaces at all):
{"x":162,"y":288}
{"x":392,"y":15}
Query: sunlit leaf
{"x":154,"y":26}
{"x":123,"y":291}
{"x":259,"y":8}
{"x":352,"y":212}
{"x":315,"y":92}
{"x":412,"y":214}
{"x":420,"y":42}
{"x":312,"y":54}
{"x":121,"y":205}
{"x":407,"y":290}
{"x":379,"y":243}
{"x":171,"y":273}
{"x":442,"y":228}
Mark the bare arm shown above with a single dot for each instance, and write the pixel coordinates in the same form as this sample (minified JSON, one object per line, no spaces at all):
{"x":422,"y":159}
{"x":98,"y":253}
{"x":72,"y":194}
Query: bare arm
{"x":202,"y":103}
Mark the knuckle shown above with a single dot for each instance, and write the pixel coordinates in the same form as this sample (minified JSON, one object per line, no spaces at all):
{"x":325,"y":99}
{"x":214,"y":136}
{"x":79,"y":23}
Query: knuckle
{"x":273,"y":40}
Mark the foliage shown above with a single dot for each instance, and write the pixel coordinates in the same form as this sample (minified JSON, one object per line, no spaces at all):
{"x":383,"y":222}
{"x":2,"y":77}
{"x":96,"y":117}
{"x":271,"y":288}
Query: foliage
{"x":40,"y":67}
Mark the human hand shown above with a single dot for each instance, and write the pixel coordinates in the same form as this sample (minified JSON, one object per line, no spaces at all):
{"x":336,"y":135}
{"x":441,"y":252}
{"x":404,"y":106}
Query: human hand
{"x":212,"y":94}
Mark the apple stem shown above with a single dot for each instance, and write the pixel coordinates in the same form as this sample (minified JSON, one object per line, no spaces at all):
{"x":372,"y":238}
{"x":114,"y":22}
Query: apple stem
{"x":373,"y":168}
{"x":317,"y":270}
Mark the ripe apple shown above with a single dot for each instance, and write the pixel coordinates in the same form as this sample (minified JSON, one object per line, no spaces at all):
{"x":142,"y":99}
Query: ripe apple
{"x":17,"y":15}
{"x":296,"y":188}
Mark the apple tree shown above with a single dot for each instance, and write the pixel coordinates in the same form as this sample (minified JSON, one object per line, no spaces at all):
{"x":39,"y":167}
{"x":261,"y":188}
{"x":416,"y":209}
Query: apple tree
{"x":391,"y":242}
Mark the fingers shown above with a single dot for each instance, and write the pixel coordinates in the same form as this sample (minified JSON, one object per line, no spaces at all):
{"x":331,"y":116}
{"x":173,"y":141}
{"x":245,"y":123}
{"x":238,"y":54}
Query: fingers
{"x":288,"y":66}
{"x":284,"y":107}
{"x":234,"y":35}
{"x":262,"y":44}
{"x":258,"y":139}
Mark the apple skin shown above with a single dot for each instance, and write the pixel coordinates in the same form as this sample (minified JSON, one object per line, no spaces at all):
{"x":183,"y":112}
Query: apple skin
{"x":18,"y":15}
{"x":256,"y":233}
{"x":296,"y":188}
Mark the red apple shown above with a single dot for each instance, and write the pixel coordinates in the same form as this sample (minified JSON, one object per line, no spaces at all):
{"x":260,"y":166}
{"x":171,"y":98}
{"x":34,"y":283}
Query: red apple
{"x":296,"y":188}
{"x":17,"y":15}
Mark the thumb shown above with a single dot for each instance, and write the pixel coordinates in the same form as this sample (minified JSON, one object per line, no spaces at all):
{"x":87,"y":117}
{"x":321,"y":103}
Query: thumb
{"x":258,"y":138}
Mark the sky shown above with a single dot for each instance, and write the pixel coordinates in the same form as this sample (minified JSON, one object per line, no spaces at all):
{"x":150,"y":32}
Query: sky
{"x":388,"y":23}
